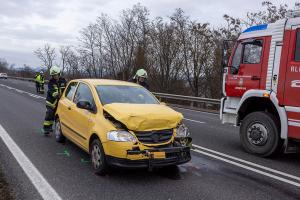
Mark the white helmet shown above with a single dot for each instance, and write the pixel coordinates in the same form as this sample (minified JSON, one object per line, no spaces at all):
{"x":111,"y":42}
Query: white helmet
{"x":54,"y":70}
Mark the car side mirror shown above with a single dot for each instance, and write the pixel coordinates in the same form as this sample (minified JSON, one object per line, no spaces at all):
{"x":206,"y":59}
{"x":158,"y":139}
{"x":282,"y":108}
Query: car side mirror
{"x":85,"y":105}
{"x":163,"y":103}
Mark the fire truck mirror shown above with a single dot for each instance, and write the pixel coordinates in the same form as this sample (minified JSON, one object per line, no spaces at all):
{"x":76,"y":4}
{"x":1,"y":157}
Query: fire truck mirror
{"x":224,"y":59}
{"x":234,"y":70}
{"x":227,"y":47}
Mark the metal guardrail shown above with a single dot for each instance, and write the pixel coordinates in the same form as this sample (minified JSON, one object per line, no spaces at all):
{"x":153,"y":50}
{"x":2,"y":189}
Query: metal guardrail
{"x":187,"y":98}
{"x":191,"y":99}
{"x":23,"y":79}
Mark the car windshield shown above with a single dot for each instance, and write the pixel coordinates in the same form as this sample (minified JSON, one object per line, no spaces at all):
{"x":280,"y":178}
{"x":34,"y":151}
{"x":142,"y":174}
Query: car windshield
{"x":124,"y":94}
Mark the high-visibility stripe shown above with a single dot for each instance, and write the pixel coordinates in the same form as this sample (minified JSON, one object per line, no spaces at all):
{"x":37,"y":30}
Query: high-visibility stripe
{"x":52,"y":105}
{"x":54,"y":94}
{"x":48,"y":123}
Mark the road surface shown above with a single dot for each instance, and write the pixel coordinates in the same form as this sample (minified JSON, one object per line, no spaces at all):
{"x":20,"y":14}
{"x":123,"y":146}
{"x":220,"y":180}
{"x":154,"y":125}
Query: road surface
{"x":37,"y":167}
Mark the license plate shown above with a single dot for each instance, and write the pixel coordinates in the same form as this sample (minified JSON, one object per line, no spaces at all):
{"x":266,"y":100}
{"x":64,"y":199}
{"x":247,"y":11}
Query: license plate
{"x":159,"y":155}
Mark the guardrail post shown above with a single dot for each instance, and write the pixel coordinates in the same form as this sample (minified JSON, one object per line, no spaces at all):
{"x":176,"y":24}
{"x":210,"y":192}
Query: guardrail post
{"x":192,"y":104}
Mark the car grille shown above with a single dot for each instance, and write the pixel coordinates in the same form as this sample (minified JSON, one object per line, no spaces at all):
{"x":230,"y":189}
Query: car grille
{"x":154,"y":137}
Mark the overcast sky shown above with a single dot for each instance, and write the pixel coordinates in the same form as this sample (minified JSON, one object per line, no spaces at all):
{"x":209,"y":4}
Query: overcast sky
{"x":26,"y":25}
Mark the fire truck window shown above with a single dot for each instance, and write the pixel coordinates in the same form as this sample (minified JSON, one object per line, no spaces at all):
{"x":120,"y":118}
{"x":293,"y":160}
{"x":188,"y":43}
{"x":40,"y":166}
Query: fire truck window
{"x":236,"y":61}
{"x":297,"y":52}
{"x":252,"y":53}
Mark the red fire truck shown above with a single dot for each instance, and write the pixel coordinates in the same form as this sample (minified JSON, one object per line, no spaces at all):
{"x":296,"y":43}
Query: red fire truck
{"x":261,"y":87}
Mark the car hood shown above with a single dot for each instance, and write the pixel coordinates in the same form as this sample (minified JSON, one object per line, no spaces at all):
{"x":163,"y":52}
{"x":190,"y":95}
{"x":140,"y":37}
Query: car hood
{"x":144,"y":117}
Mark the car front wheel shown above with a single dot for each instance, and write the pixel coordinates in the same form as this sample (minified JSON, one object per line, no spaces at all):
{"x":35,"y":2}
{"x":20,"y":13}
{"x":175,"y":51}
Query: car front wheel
{"x":98,"y":157}
{"x":59,"y":137}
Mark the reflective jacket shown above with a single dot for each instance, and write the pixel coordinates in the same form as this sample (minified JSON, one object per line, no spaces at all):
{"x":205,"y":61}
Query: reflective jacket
{"x":39,"y":78}
{"x":55,"y":90}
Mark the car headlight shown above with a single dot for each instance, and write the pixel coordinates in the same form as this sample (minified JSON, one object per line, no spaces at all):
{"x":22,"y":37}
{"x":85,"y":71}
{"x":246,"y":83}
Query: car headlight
{"x":120,"y":136}
{"x":182,"y":131}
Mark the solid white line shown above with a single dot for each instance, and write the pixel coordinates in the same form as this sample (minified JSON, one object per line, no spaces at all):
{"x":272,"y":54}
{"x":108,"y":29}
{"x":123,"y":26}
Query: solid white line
{"x":37,"y":179}
{"x":248,"y":168}
{"x":249,"y":163}
{"x":194,"y":121}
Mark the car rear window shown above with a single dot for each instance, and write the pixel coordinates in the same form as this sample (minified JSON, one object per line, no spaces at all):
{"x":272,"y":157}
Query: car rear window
{"x":125,"y":94}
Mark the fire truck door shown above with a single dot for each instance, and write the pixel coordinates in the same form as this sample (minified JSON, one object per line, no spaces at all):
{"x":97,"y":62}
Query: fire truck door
{"x":245,"y":70}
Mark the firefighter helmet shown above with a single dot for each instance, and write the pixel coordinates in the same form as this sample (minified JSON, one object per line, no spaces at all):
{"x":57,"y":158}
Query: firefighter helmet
{"x":141,"y":73}
{"x":54,"y":70}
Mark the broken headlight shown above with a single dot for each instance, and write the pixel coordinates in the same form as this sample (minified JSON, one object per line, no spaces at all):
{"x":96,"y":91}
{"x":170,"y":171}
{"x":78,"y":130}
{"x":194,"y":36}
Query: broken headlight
{"x":182,"y":131}
{"x":120,"y":136}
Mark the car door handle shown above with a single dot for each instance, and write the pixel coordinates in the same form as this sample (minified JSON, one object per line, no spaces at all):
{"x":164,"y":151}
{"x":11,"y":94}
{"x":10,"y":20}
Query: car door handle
{"x":255,"y":78}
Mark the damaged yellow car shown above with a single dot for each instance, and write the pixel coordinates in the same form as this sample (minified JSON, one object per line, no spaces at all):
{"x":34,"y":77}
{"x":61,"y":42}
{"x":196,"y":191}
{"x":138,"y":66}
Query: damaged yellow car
{"x":121,"y":124}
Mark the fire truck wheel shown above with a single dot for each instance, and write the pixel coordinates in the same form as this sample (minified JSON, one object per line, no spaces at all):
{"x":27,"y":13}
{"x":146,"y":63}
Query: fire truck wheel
{"x":259,"y":134}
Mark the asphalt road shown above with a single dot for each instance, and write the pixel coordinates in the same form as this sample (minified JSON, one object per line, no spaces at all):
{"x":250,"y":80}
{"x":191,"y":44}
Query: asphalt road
{"x":219,"y":169}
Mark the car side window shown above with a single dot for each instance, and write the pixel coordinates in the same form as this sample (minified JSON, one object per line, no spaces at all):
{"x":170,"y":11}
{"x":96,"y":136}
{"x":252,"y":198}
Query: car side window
{"x":297,"y":51}
{"x":71,"y":90}
{"x":236,"y":61}
{"x":84,"y":93}
{"x":252,"y":52}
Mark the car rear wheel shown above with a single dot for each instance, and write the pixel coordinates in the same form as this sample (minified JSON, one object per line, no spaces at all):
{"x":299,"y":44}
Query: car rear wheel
{"x":98,"y":157}
{"x":259,"y":134}
{"x":59,"y":137}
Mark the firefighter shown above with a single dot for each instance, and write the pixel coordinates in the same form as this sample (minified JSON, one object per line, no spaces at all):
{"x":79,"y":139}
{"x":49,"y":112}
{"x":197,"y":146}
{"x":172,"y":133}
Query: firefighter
{"x":37,"y":84}
{"x":42,"y":83}
{"x":56,"y":86}
{"x":141,"y":78}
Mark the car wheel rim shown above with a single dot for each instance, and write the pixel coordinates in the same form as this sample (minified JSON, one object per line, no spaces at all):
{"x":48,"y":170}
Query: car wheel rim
{"x":257,"y":134}
{"x":96,"y":156}
{"x":57,"y":129}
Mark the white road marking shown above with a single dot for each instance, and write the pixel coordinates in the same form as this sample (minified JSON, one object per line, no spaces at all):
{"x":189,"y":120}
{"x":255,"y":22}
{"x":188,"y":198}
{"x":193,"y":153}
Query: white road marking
{"x":248,"y":163}
{"x":248,"y":168}
{"x":194,"y":121}
{"x":23,"y":92}
{"x":37,"y":179}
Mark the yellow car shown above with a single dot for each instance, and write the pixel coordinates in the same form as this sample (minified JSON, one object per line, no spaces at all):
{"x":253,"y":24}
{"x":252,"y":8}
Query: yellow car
{"x":121,"y":124}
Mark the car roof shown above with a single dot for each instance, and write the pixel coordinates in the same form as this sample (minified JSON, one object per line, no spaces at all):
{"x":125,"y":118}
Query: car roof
{"x":96,"y":82}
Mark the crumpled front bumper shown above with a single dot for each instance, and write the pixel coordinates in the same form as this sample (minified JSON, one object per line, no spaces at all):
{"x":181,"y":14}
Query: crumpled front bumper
{"x":173,"y":156}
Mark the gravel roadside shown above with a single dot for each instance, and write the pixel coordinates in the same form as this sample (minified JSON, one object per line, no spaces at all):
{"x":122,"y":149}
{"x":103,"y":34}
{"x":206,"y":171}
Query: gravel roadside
{"x":5,"y":192}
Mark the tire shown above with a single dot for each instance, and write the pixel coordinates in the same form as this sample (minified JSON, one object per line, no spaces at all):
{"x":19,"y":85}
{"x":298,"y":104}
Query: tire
{"x":98,"y":158}
{"x":259,"y":134}
{"x":59,"y":137}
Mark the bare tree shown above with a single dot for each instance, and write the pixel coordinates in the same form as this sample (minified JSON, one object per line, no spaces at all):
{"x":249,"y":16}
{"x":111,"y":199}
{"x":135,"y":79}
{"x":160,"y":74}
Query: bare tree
{"x":64,"y":54}
{"x":3,"y":65}
{"x":46,"y":55}
{"x":180,"y":55}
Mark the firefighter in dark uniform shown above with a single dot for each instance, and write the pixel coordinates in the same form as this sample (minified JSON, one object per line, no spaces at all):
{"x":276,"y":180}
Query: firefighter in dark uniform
{"x":56,"y":86}
{"x":141,"y":78}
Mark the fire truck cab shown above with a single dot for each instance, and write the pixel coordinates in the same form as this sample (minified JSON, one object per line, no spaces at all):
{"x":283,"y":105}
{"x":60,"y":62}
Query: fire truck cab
{"x":261,"y":87}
